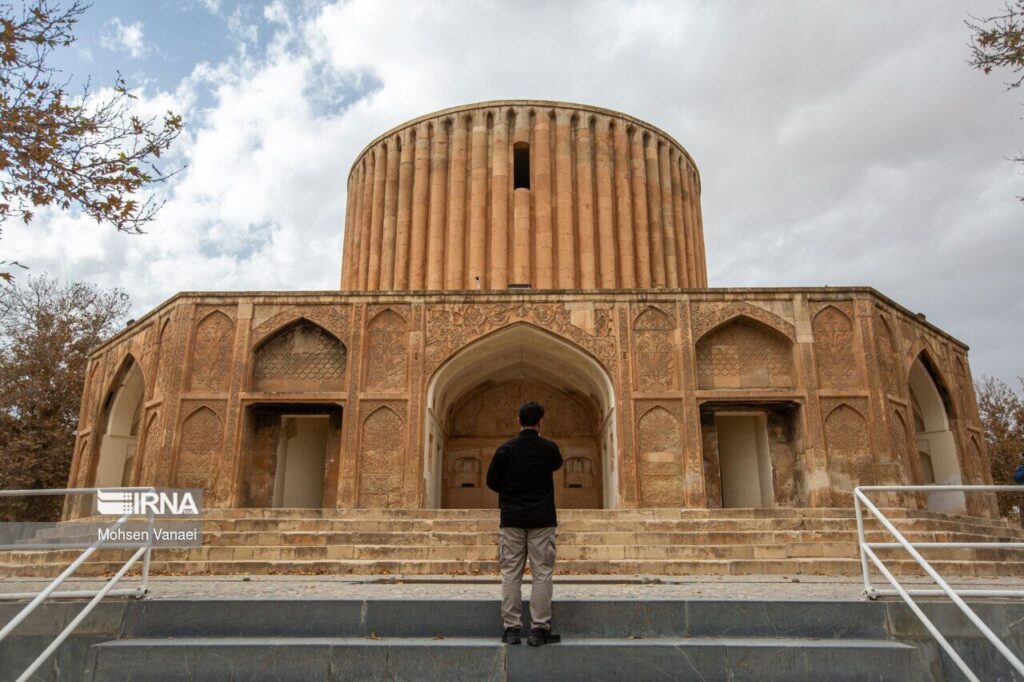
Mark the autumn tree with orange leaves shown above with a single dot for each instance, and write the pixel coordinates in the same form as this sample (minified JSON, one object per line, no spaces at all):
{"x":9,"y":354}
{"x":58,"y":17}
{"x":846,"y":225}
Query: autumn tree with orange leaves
{"x":997,"y":44}
{"x":83,"y":152}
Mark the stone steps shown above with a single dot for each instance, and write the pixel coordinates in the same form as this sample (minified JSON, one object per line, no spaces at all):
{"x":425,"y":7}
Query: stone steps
{"x":483,"y":552}
{"x":581,"y":525}
{"x":618,"y":542}
{"x":479,"y":658}
{"x":410,"y":639}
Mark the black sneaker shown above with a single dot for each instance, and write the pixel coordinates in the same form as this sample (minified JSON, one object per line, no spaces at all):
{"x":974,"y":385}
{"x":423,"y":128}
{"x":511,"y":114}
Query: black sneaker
{"x":541,"y":636}
{"x":511,"y":636}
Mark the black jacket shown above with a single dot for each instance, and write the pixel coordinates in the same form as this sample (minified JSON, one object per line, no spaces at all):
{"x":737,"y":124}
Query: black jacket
{"x":521,"y":474}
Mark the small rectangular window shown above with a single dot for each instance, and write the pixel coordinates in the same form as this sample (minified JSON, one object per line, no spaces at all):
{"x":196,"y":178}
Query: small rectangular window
{"x":521,"y":165}
{"x":468,"y":485}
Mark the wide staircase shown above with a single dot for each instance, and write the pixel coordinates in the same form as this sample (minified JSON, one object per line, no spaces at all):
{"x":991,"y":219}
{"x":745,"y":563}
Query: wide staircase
{"x":819,"y":541}
{"x":458,"y":639}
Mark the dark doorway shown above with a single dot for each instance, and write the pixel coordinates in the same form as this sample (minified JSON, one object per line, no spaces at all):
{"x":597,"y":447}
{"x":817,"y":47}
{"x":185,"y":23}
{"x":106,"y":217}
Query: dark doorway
{"x":291,"y":455}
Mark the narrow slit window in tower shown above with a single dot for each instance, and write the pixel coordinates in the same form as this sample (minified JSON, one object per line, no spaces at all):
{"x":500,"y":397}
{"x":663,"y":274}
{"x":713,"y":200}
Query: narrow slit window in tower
{"x":521,"y":165}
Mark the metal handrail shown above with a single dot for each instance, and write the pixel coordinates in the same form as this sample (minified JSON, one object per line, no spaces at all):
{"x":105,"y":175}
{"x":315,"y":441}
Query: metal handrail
{"x":145,"y":550}
{"x":867,"y":551}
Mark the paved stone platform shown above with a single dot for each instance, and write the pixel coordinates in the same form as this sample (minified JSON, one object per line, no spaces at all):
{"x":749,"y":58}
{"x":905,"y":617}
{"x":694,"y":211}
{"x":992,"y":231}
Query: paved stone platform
{"x":610,"y":587}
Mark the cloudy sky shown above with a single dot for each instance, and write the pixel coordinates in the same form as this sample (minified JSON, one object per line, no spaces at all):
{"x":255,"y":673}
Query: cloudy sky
{"x":839,"y":143}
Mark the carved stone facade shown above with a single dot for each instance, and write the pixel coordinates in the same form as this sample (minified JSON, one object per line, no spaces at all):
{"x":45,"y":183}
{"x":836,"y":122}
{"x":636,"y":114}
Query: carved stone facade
{"x":395,"y":391}
{"x":220,"y":361}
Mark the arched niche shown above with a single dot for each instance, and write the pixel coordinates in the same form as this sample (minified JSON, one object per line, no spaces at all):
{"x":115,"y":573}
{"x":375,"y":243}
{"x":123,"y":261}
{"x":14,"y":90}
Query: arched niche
{"x":516,"y":360}
{"x":936,"y":443}
{"x":301,"y":357}
{"x":744,"y":353}
{"x":122,"y":414}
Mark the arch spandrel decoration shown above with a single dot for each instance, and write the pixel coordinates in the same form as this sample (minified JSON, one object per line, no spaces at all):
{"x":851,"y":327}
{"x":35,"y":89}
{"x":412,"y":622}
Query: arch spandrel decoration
{"x":302,"y":357}
{"x":334,"y":319}
{"x":743,"y":353}
{"x":709,"y":316}
{"x":834,"y":349}
{"x":451,"y":328}
{"x":212,"y":350}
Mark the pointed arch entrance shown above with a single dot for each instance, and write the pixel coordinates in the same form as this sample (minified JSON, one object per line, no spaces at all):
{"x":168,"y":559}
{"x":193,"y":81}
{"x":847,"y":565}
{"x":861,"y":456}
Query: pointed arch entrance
{"x":472,"y":406}
{"x":936,"y":444}
{"x":121,"y":416}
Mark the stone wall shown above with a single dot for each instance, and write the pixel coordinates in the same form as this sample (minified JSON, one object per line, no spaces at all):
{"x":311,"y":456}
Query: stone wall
{"x":827,"y":367}
{"x":547,"y":194}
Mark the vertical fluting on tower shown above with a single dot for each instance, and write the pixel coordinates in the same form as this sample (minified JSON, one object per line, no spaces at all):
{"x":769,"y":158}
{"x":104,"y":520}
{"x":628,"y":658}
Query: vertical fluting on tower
{"x":524,"y":193}
{"x":500,"y":182}
{"x":420,"y":208}
{"x":605,"y":203}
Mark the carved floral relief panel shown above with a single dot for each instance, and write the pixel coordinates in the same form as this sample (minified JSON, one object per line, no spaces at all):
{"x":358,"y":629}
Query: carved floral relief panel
{"x":834,"y":349}
{"x":660,"y":456}
{"x":387,"y":354}
{"x":654,"y":351}
{"x":382,"y":459}
{"x":887,"y":357}
{"x":212,"y":350}
{"x":849,"y":452}
{"x":199,"y":451}
{"x":151,"y":450}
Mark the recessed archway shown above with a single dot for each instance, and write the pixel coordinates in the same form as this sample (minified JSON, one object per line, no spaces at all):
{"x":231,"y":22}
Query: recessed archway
{"x":465,"y":422}
{"x":121,"y":434}
{"x":936,"y":444}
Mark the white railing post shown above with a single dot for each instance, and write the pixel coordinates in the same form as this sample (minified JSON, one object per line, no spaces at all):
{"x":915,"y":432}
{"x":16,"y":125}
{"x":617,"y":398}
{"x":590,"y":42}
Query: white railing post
{"x":867,"y":548}
{"x":147,"y":557}
{"x":868,"y":589}
{"x":86,"y":610}
{"x":144,"y":551}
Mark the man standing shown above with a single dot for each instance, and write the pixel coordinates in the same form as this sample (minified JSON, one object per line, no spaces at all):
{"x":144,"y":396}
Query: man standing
{"x":521,"y":473}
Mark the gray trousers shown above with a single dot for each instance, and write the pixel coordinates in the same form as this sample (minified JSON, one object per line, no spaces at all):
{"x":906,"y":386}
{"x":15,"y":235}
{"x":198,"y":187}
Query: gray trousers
{"x":514,"y":544}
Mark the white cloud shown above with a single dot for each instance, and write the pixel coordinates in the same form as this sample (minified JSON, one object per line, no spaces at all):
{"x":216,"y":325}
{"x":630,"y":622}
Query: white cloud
{"x":129,"y":38}
{"x":242,"y":25}
{"x":837,"y":145}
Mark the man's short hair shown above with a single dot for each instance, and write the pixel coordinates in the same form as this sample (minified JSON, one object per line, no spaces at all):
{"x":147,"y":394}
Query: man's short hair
{"x":530,"y":414}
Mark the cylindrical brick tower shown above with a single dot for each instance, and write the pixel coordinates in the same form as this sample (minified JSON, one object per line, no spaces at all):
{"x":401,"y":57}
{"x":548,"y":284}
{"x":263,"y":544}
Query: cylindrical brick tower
{"x":546,"y":195}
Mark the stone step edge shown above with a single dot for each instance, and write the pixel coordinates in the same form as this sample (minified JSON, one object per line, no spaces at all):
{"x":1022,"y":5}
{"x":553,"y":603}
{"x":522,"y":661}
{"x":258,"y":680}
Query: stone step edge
{"x":25,"y":557}
{"x":489,"y":642}
{"x":565,"y":563}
